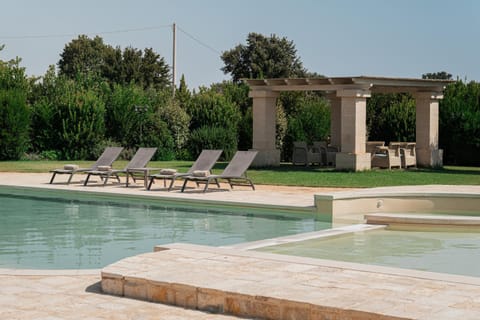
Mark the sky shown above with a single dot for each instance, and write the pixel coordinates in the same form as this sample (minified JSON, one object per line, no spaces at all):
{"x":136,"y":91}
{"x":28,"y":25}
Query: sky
{"x":388,"y":38}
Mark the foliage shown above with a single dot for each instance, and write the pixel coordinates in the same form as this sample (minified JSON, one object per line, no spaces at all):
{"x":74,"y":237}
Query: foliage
{"x":183,"y":95}
{"x":68,"y":118}
{"x":14,"y":123}
{"x":211,"y":109}
{"x":237,"y":93}
{"x":93,"y":57}
{"x":309,"y":122}
{"x":460,"y":123}
{"x":391,"y":117}
{"x":208,"y":137}
{"x":126,"y":107}
{"x":177,"y":121}
{"x":442,"y":75}
{"x":154,"y":132}
{"x":263,"y":57}
{"x":135,"y":119}
{"x":281,"y":127}
{"x":14,"y":111}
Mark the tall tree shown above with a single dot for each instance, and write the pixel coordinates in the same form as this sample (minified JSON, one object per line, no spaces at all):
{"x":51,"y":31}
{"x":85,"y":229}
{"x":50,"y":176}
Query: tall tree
{"x":442,"y":75}
{"x":14,"y":111}
{"x":92,"y":57}
{"x":84,"y":56}
{"x":263,"y":57}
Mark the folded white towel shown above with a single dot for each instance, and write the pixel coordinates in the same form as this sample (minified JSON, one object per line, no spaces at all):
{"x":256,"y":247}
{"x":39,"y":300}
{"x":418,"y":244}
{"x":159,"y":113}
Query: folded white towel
{"x":201,"y":173}
{"x":168,"y":172}
{"x":104,"y":168}
{"x":70,"y":167}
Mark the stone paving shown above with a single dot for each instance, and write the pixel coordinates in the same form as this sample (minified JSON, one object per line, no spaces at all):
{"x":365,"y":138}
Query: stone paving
{"x":354,"y":291}
{"x":79,"y":296}
{"x":269,"y":286}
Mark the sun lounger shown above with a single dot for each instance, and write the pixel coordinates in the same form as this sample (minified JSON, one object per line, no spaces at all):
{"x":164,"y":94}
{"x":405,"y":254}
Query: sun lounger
{"x":205,"y":162}
{"x":137,"y":164}
{"x":234,"y":173}
{"x":109,"y":155}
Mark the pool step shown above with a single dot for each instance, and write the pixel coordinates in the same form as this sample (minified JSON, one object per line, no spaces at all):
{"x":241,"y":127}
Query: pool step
{"x":268,"y":286}
{"x":422,"y":219}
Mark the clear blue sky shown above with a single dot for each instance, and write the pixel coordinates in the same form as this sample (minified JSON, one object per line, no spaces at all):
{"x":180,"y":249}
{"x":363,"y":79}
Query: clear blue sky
{"x":397,"y":38}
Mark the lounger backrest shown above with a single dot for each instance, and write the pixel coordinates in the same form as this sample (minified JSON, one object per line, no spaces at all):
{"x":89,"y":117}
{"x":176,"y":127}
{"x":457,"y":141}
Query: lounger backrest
{"x":206,"y":160}
{"x":141,"y":158}
{"x":239,"y":163}
{"x":109,"y":155}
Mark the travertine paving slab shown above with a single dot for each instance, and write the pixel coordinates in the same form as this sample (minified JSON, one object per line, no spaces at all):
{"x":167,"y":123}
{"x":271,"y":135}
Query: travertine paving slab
{"x":50,"y":296}
{"x":272,"y":286}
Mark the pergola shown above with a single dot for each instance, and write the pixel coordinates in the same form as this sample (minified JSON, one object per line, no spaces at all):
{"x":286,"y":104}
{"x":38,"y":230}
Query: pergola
{"x":348,"y":101}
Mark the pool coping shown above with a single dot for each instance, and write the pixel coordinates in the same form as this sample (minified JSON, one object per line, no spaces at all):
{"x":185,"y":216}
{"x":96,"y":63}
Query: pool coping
{"x":265,"y":285}
{"x":151,"y":196}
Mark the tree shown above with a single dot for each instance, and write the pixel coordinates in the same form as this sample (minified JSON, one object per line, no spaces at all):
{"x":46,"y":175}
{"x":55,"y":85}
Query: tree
{"x":442,"y":75}
{"x":85,"y":56}
{"x":263,"y":57}
{"x":14,"y":111}
{"x":391,"y":117}
{"x":68,"y":117}
{"x":214,"y":123}
{"x":460,"y":123}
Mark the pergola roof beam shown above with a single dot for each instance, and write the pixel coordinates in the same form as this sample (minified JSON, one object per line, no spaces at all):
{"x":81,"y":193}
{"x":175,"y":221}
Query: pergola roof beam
{"x":374,"y":84}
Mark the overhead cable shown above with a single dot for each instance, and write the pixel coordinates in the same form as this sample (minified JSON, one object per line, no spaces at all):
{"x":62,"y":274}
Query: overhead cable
{"x":199,"y":41}
{"x":88,"y":34}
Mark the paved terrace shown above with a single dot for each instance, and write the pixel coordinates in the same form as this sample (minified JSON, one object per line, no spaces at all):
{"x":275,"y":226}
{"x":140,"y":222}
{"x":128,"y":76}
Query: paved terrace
{"x":276,"y":286}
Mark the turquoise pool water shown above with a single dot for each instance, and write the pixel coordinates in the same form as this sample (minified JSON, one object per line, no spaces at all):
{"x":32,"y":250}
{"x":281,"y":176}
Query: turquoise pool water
{"x":454,"y":252}
{"x":44,"y":230}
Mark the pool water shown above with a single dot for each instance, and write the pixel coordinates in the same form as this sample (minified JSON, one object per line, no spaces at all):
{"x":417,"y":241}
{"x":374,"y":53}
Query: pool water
{"x":38,"y":231}
{"x":453,"y":252}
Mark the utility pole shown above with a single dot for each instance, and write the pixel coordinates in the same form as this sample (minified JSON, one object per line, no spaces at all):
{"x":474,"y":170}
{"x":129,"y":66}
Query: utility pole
{"x":174,"y":62}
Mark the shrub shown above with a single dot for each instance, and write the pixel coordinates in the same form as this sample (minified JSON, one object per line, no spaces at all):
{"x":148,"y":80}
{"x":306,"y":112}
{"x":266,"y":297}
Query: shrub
{"x":14,"y":124}
{"x":68,"y":119}
{"x":212,"y":138}
{"x":212,"y":109}
{"x":177,"y":121}
{"x":127,"y":107}
{"x":391,"y":117}
{"x":460,"y":123}
{"x":14,"y":111}
{"x":311,"y":122}
{"x":154,"y":133}
{"x":82,"y":125}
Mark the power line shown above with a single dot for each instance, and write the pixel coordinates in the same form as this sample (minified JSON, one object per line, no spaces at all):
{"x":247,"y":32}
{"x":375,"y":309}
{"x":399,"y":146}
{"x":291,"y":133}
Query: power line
{"x":63,"y":35}
{"x":199,"y":41}
{"x":45,"y":36}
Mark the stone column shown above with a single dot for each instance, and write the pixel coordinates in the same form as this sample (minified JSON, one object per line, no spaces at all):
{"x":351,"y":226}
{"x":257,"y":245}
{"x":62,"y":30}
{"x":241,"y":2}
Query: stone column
{"x":353,"y":113}
{"x":428,"y":153}
{"x":264,"y":128}
{"x":335,"y":120}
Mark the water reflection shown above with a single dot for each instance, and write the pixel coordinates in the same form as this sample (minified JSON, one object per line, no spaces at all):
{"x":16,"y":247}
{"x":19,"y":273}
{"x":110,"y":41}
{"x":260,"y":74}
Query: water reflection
{"x":64,"y":233}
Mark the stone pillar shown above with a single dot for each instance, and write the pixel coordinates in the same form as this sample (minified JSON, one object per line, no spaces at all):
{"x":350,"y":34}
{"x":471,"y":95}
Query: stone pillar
{"x":353,"y":113}
{"x":264,"y":128}
{"x":335,"y":120}
{"x":428,"y":153}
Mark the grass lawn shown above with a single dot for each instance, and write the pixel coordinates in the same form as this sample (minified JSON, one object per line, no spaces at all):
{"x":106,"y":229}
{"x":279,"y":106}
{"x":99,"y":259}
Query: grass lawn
{"x":290,"y":175}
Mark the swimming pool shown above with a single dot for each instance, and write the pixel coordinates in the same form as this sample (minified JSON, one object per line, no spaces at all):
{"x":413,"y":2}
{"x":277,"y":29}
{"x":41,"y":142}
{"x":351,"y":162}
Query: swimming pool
{"x":454,"y":252}
{"x":64,"y":230}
